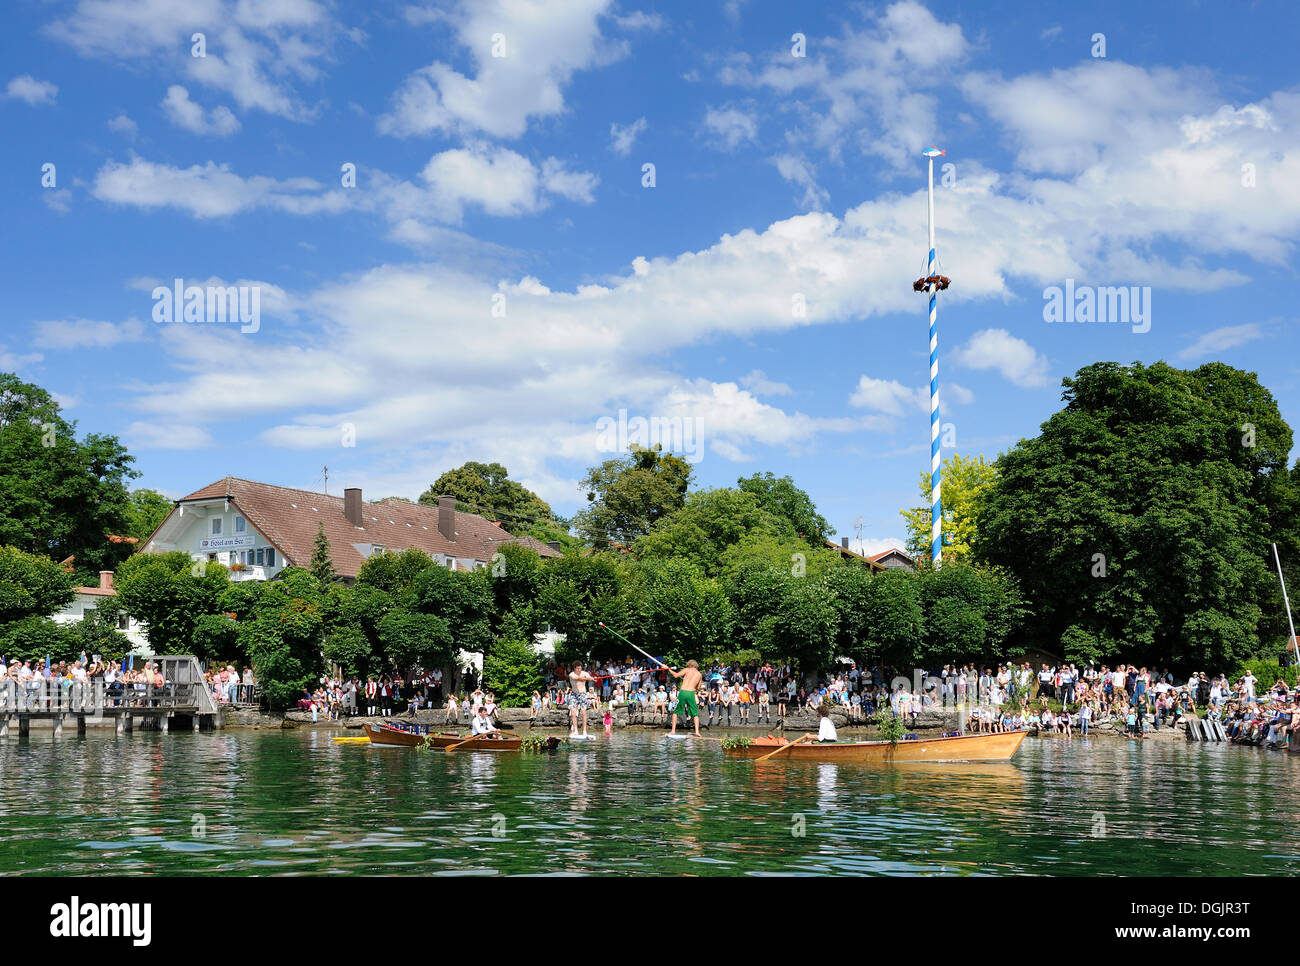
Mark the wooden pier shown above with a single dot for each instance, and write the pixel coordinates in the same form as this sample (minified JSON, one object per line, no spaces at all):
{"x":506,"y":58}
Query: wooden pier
{"x":183,"y":698}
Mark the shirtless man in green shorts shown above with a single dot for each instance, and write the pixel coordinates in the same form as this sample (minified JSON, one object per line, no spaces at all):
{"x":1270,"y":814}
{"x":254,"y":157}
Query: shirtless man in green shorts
{"x":691,"y":678}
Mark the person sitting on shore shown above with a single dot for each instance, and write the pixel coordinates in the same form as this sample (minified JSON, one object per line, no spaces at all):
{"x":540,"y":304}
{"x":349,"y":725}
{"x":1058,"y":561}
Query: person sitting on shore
{"x":453,"y":710}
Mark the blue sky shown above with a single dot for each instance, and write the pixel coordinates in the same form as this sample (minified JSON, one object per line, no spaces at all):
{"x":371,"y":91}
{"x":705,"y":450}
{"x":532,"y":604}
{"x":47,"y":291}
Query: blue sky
{"x":1169,"y":163}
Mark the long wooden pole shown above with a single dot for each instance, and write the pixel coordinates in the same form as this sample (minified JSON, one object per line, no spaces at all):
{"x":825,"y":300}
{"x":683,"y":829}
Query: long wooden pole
{"x":784,"y":747}
{"x":630,"y":644}
{"x":1286,"y":600}
{"x":468,"y":740}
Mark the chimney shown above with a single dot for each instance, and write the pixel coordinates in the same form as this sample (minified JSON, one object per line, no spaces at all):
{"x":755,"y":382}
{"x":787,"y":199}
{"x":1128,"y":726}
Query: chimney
{"x":106,"y":580}
{"x":447,"y":517}
{"x":554,"y":545}
{"x":844,"y":542}
{"x":352,"y":505}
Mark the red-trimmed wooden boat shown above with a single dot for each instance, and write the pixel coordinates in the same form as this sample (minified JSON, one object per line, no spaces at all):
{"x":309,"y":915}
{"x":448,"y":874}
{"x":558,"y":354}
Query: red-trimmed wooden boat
{"x":998,"y":746}
{"x":392,"y":735}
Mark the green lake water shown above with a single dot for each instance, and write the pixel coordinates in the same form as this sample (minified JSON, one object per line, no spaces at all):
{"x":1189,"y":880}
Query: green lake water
{"x":293,"y":803}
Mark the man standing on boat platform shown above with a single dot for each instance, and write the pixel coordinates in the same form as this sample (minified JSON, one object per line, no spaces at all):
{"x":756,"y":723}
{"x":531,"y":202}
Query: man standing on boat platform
{"x":686,"y":703}
{"x":579,"y":700}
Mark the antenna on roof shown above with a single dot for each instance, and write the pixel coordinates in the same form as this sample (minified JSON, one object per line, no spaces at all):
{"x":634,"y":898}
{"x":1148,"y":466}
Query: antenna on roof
{"x":325,"y":472}
{"x":857,"y":528}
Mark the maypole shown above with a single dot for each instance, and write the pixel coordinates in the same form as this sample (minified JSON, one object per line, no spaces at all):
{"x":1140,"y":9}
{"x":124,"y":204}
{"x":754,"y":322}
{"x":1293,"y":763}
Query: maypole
{"x":933,"y":283}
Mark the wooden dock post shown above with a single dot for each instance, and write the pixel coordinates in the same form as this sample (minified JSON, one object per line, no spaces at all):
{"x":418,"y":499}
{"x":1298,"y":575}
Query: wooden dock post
{"x":194,"y":722}
{"x":4,"y":726}
{"x":162,"y":723}
{"x":81,"y":726}
{"x":58,"y":725}
{"x":118,"y":726}
{"x":24,"y":726}
{"x":128,"y":720}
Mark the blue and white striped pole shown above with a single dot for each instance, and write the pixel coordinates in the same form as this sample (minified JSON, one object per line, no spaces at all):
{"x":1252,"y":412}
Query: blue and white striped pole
{"x":936,"y":500}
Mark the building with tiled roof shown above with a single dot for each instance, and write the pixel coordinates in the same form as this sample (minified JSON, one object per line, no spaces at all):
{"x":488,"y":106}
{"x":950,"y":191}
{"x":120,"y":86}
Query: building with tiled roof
{"x":258,"y":529}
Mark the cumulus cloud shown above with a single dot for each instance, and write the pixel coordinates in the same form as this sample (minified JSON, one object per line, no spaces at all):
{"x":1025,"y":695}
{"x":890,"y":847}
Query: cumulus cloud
{"x":184,"y":113}
{"x":524,"y":56}
{"x":623,"y":136}
{"x":729,"y":127}
{"x":1011,"y":357}
{"x":33,"y":92}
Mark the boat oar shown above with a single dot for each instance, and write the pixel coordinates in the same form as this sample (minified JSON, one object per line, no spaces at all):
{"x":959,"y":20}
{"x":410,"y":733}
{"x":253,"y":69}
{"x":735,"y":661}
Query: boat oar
{"x":468,"y":740}
{"x":788,"y":744}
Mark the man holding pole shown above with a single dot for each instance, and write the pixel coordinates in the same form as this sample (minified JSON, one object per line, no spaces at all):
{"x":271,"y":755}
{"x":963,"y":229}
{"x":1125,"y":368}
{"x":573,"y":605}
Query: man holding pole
{"x":686,"y":703}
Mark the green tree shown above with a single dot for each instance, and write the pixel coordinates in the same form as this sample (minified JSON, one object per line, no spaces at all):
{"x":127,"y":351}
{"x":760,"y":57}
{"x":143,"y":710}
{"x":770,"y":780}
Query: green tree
{"x":683,"y":614}
{"x":322,"y":562}
{"x":513,"y":671}
{"x":169,"y":592}
{"x":966,"y":483}
{"x":487,"y":490}
{"x":146,"y":511}
{"x":31,"y":585}
{"x":284,"y":636}
{"x":1138,"y":521}
{"x":350,"y":649}
{"x":780,"y":497}
{"x":413,"y":640}
{"x":710,"y":522}
{"x":59,"y":496}
{"x":971,"y":613}
{"x":626,"y":497}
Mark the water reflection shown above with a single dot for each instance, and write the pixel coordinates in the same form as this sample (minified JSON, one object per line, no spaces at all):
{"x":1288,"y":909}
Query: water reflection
{"x":298,"y":803}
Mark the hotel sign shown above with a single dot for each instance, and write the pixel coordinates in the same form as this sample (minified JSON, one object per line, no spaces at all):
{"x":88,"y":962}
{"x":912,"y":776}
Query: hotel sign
{"x":228,"y":543}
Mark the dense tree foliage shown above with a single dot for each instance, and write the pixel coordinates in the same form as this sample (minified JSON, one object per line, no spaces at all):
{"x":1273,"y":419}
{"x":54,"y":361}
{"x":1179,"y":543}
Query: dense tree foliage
{"x":1138,"y":521}
{"x":966,"y":481}
{"x":486,"y":489}
{"x":59,"y":496}
{"x":146,"y":510}
{"x":780,"y":497}
{"x":626,"y":497}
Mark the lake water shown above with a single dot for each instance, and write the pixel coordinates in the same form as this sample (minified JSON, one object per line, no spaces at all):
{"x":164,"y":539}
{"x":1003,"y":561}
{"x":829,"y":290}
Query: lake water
{"x":264,"y":802}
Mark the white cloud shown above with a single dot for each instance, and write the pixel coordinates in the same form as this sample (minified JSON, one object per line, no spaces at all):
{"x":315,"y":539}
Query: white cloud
{"x":867,"y":89}
{"x":86,"y":333}
{"x":1221,"y":340}
{"x":122,"y":124}
{"x":730,"y":127}
{"x":497,"y":180}
{"x":255,"y":52}
{"x":758,"y":383}
{"x":887,"y":396}
{"x":870,"y":546}
{"x":33,"y":92}
{"x":623,"y":136}
{"x":146,"y":434}
{"x":184,"y":113}
{"x":801,"y":173}
{"x":544,"y":45}
{"x":1013,"y":358}
{"x":209,"y":190}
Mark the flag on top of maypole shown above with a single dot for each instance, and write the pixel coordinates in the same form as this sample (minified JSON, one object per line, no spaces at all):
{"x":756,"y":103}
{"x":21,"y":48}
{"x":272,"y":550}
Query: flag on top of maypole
{"x":933,"y":283}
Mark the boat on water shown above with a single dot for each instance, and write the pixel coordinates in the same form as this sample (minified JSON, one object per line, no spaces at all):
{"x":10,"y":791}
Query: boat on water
{"x":411,"y":737}
{"x":998,"y":746}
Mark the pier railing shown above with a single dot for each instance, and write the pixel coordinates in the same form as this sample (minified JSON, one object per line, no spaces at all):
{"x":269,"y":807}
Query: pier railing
{"x":41,"y":696}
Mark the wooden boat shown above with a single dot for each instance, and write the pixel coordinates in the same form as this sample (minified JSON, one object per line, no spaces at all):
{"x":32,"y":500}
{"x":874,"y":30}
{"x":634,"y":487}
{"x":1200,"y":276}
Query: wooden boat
{"x":393,"y":735}
{"x":999,"y":746}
